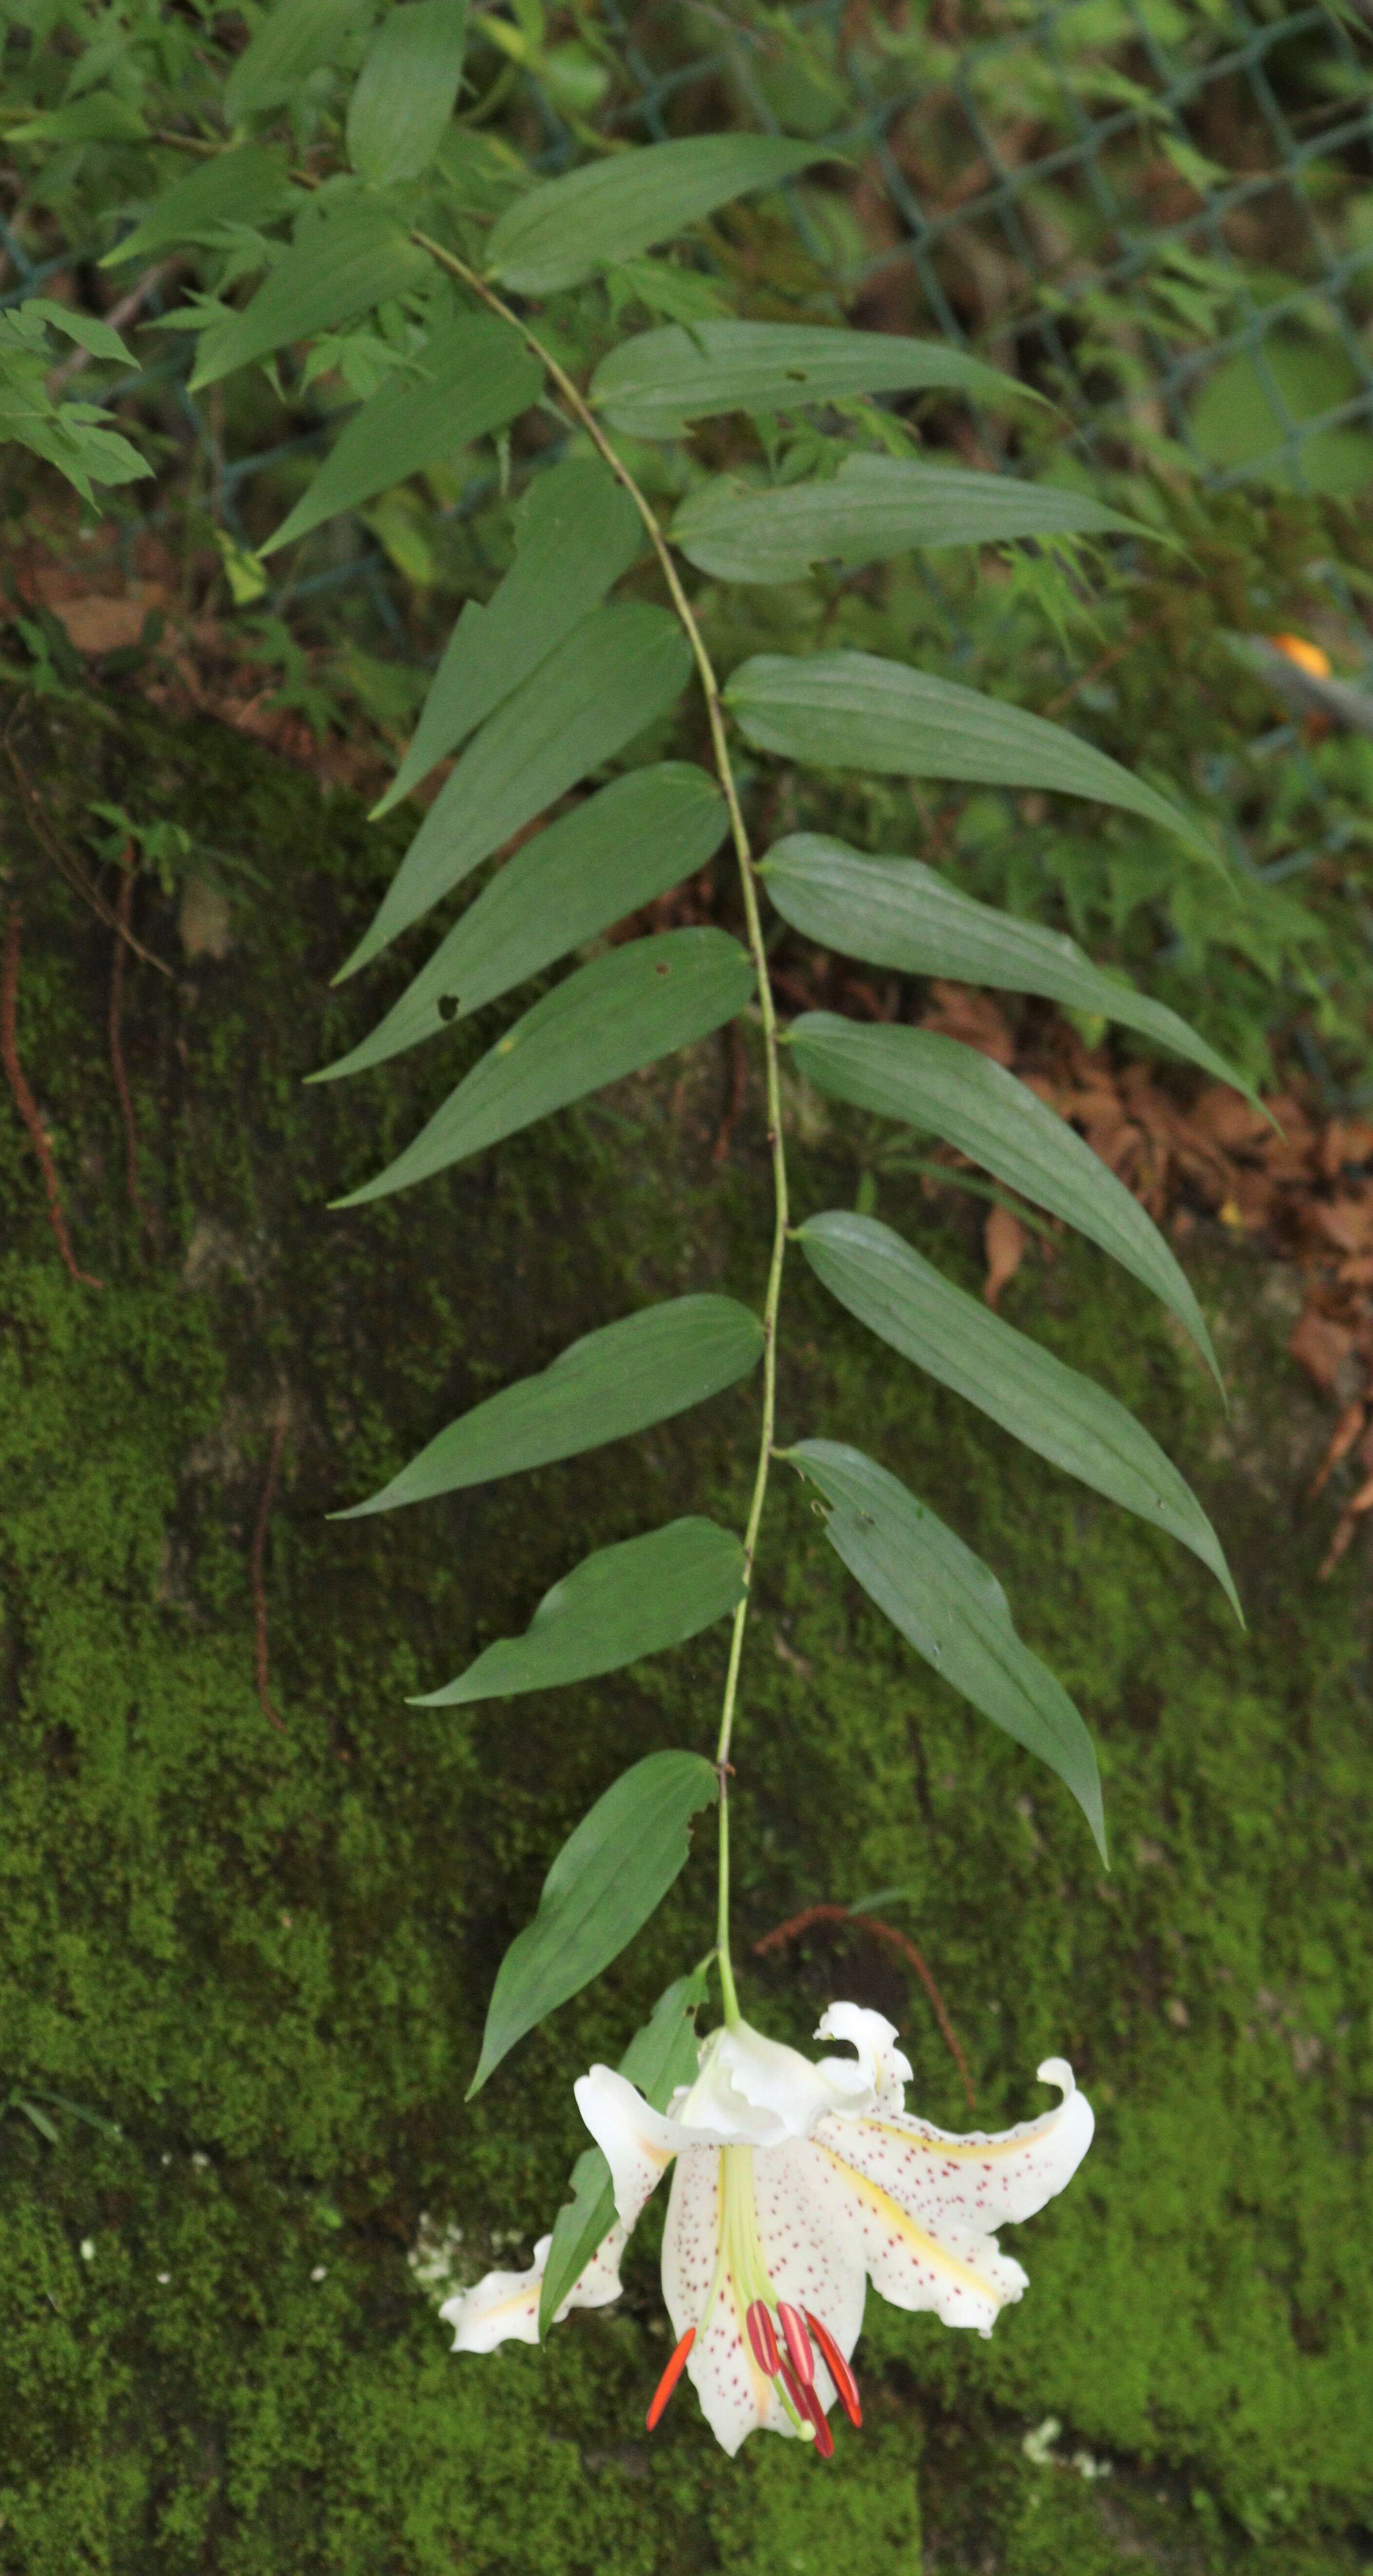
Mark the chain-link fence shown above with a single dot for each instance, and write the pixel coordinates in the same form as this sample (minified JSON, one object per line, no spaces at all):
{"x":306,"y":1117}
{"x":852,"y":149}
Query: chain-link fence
{"x":1161,"y":214}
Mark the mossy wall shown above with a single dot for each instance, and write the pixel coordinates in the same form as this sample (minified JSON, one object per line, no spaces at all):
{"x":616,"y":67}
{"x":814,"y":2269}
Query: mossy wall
{"x":266,"y":1955}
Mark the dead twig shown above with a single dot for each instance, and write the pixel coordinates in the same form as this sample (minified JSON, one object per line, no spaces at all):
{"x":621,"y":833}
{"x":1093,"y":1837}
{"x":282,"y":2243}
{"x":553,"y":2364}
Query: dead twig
{"x":892,"y":1939}
{"x":24,"y":1100}
{"x":256,"y":1572}
{"x":68,"y":867}
{"x":126,"y":310}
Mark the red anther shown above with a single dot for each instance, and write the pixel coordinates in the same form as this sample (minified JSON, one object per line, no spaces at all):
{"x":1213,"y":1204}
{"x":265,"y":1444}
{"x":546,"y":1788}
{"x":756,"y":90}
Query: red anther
{"x":799,"y":2353}
{"x":762,"y":2338}
{"x":670,"y":2378}
{"x":846,"y":2385}
{"x":810,"y":2410}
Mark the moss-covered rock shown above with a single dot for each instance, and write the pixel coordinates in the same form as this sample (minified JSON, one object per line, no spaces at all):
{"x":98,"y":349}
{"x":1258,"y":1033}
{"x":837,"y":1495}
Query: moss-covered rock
{"x":264,"y":1954}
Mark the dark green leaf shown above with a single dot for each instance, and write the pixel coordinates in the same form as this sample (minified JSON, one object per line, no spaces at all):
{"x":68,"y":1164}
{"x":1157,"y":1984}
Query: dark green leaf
{"x":875,"y":506}
{"x":476,"y":376}
{"x":949,"y":1090}
{"x":609,"y":1877}
{"x":39,"y":2119}
{"x":242,"y":187}
{"x":857,"y":711}
{"x":579,"y":531}
{"x":407,"y":90}
{"x":284,"y":47}
{"x":610,"y":1383}
{"x":1054,"y":1410}
{"x":660,"y":2057}
{"x":655,"y":385}
{"x":898,"y":912}
{"x":341,"y":264}
{"x":951,"y":1608}
{"x":100,"y":118}
{"x":615,"y":1606}
{"x":612,"y":1017}
{"x":595,"y":866}
{"x":563,"y":232}
{"x":617,"y":672}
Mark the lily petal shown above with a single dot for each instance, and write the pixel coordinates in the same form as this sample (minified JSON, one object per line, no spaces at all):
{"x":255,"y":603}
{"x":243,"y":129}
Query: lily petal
{"x":976,"y":2181}
{"x":880,"y":2061}
{"x":505,"y":2306}
{"x":637,"y":2142}
{"x":742,"y":2066}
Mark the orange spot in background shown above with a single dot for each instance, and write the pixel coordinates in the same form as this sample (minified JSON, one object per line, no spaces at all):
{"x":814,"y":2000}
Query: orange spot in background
{"x":1308,"y":657}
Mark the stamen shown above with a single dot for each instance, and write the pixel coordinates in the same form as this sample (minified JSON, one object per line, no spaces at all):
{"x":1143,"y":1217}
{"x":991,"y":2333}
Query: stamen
{"x":669,"y":2379}
{"x":812,"y":2413}
{"x":799,"y":2353}
{"x":845,"y":2383}
{"x":762,"y":2338}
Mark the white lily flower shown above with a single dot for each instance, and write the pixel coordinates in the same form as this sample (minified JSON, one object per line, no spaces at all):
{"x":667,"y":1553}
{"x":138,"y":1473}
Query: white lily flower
{"x":794,"y":2185}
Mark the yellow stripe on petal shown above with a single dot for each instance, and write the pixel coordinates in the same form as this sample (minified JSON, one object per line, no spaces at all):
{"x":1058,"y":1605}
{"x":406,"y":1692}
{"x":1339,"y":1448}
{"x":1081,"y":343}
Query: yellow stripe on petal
{"x":973,"y":2151}
{"x":893,"y":2216}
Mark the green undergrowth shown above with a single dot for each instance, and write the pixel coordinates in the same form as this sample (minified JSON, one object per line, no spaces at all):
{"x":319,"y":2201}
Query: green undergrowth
{"x":265,"y":1954}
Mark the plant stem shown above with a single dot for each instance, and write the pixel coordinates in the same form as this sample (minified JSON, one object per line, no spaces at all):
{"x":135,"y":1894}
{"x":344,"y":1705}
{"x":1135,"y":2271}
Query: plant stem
{"x":581,"y":411}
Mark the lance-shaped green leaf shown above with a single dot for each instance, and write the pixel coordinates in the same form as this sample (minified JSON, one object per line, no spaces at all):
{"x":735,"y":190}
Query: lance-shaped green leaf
{"x":615,"y":673}
{"x":625,"y":845}
{"x":341,"y":264}
{"x":407,"y":90}
{"x":609,"y":1877}
{"x":656,"y":384}
{"x":245,"y":186}
{"x":951,"y":1608}
{"x":857,"y":711}
{"x":949,"y":1090}
{"x":874,"y":507}
{"x":615,"y":1606}
{"x":610,"y":1019}
{"x":101,"y":117}
{"x":286,"y":44}
{"x":641,"y":1370}
{"x":659,"y":2058}
{"x":475,"y":377}
{"x":579,"y":531}
{"x":1053,"y":1409}
{"x":560,"y":234}
{"x":898,"y":912}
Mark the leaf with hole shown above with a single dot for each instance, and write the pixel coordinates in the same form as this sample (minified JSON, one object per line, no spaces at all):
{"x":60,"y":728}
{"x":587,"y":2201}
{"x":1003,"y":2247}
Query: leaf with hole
{"x":857,"y":711}
{"x":579,"y":530}
{"x":407,"y":90}
{"x":611,"y":855}
{"x":641,"y":1370}
{"x":607,"y":1880}
{"x":246,"y":186}
{"x":951,"y":1608}
{"x":900,"y":913}
{"x":342,"y":263}
{"x":660,"y":2057}
{"x":621,"y":1603}
{"x":656,"y":384}
{"x":1058,"y":1413}
{"x":473,"y":377}
{"x":874,"y":507}
{"x":564,"y":231}
{"x":608,"y":1020}
{"x":613,"y":675}
{"x":948,"y":1090}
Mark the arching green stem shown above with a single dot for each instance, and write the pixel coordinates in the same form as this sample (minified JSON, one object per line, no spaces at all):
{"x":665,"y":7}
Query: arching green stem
{"x":575,"y":402}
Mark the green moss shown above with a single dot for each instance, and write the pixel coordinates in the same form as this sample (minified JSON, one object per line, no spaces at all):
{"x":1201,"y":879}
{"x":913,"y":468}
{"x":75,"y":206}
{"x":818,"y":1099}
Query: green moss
{"x":266,"y":1954}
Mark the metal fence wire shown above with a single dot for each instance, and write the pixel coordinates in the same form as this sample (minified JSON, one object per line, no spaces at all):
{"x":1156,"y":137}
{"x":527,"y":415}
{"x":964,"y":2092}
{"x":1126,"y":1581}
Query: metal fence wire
{"x":1160,"y":213}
